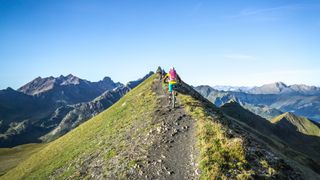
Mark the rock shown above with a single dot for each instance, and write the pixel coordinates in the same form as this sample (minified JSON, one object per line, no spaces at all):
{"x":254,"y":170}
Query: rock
{"x":175,"y":131}
{"x":197,"y":171}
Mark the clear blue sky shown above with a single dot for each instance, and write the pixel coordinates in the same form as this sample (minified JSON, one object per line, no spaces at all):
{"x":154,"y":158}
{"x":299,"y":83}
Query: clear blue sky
{"x":209,"y":42}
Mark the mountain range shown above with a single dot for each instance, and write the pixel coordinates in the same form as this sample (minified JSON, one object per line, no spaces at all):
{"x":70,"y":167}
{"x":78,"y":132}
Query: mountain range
{"x":271,"y":100}
{"x":273,"y":88}
{"x":142,"y":137}
{"x":47,"y":108}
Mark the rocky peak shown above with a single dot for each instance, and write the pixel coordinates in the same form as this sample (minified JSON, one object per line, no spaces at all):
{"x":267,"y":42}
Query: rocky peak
{"x":69,"y":80}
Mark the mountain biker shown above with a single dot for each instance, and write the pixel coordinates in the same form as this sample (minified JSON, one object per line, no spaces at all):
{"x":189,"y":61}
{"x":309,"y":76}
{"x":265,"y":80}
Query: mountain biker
{"x":159,"y":72}
{"x":172,"y":78}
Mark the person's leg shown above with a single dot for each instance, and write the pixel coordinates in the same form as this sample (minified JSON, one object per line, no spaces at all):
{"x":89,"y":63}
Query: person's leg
{"x":170,"y":88}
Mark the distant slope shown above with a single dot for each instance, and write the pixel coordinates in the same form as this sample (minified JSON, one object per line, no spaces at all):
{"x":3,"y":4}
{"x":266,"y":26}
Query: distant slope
{"x":11,"y":157}
{"x":301,"y":124}
{"x":141,"y":137}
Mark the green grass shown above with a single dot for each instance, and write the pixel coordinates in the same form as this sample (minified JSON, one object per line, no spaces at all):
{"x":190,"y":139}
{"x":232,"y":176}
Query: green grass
{"x":11,"y":157}
{"x":219,"y":155}
{"x":110,"y":135}
{"x":302,"y":124}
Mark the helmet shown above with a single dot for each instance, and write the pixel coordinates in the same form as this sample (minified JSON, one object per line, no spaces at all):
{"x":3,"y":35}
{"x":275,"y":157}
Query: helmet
{"x":172,"y":68}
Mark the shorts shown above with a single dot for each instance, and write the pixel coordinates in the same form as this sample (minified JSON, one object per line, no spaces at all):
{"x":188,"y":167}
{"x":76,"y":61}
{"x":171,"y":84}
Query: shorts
{"x":171,"y":86}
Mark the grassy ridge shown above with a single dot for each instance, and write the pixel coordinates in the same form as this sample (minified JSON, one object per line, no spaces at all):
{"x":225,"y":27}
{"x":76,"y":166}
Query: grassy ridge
{"x":218,"y":153}
{"x":106,"y":135}
{"x":302,"y":124}
{"x":11,"y":157}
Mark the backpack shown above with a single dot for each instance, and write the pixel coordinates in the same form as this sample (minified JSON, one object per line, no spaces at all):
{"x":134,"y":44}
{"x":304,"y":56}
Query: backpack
{"x":173,"y":75}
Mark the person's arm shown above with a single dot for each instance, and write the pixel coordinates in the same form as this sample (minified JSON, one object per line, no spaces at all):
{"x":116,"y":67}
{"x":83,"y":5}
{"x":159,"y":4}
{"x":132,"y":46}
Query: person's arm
{"x":165,"y":78}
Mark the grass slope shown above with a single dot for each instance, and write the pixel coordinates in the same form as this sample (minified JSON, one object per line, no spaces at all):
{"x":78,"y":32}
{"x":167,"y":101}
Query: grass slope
{"x":302,"y":124}
{"x":219,"y":154}
{"x":107,"y":139}
{"x":11,"y":157}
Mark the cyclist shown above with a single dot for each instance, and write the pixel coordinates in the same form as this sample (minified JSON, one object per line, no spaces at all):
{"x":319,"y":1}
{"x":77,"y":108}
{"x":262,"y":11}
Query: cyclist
{"x":172,"y":78}
{"x":159,"y":72}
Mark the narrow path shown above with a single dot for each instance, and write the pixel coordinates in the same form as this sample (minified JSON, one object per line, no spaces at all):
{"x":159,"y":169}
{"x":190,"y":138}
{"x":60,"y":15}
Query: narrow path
{"x":173,"y":152}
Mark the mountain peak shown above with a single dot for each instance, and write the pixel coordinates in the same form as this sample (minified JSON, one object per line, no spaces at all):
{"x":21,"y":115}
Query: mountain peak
{"x":107,"y":78}
{"x":280,"y":84}
{"x":69,"y":80}
{"x":272,"y":88}
{"x":9,"y":89}
{"x":70,"y":75}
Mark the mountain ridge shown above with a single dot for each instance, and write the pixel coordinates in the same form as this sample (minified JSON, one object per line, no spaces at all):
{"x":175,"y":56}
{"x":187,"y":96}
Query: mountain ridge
{"x":271,"y":88}
{"x":140,"y":137}
{"x":274,"y":104}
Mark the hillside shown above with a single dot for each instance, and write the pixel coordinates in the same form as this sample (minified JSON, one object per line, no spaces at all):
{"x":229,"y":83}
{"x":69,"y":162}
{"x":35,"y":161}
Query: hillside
{"x":51,"y":111}
{"x":140,"y":136}
{"x":301,"y":124}
{"x":10,"y":157}
{"x":290,"y":143}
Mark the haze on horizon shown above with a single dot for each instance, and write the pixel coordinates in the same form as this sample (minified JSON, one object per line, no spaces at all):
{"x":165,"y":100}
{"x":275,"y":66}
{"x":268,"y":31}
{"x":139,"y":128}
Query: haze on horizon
{"x":209,"y":42}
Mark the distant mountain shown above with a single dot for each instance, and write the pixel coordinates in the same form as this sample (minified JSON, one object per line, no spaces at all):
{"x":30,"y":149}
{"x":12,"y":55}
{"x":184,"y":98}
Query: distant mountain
{"x":262,"y":110}
{"x":81,"y":112}
{"x":67,"y":89}
{"x":232,"y":88}
{"x":54,"y":106}
{"x":282,"y":88}
{"x":301,"y":124}
{"x":13,"y":105}
{"x":18,"y":114}
{"x":268,"y":105}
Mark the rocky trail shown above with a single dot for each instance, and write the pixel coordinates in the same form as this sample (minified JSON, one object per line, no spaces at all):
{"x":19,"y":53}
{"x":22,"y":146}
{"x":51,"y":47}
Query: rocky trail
{"x":172,"y":154}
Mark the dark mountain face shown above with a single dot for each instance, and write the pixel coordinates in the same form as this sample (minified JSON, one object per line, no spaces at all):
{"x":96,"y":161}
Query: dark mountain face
{"x":15,"y":106}
{"x":56,"y":106}
{"x":67,"y":89}
{"x":273,"y":104}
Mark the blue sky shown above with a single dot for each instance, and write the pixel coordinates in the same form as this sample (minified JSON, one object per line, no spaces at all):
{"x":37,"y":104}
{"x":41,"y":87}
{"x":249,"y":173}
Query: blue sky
{"x":209,"y":42}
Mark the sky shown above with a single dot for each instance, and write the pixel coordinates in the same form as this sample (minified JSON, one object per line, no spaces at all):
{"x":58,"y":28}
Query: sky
{"x":232,"y":42}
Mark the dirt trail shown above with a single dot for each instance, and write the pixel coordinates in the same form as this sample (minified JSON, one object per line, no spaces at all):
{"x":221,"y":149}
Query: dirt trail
{"x":172,"y":155}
